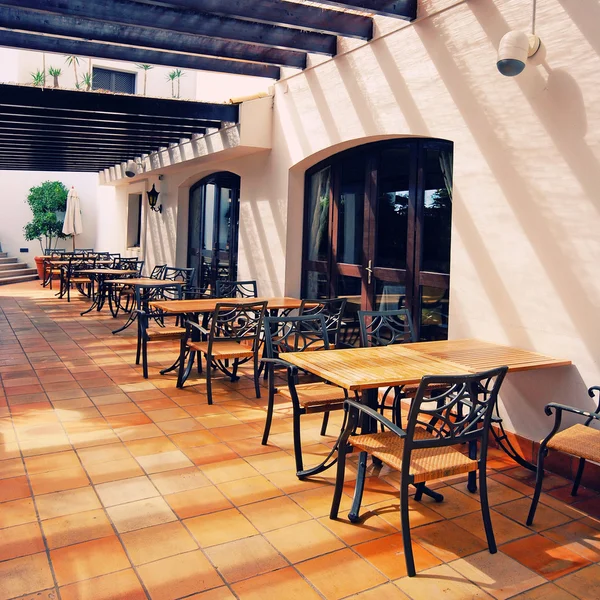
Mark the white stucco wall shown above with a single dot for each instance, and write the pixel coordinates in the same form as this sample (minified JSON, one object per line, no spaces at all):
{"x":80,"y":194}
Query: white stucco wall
{"x":525,"y":248}
{"x":16,"y":213}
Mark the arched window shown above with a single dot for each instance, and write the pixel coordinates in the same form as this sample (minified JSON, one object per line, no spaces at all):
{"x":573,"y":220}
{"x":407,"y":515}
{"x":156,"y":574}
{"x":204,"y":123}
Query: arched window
{"x":377,"y":230}
{"x":213,"y":228}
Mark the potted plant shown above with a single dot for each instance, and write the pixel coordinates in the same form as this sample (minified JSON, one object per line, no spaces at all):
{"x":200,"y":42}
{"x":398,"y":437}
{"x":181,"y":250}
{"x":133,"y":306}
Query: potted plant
{"x":45,"y":200}
{"x":38,"y":78}
{"x":55,"y":72}
{"x":145,"y":68}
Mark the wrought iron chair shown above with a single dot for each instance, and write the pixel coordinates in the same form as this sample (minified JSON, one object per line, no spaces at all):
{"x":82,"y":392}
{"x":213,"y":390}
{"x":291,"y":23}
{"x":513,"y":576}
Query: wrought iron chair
{"x":236,"y":289}
{"x":124,"y":294}
{"x":49,"y":270}
{"x":447,"y":411}
{"x":234,"y":335}
{"x":382,"y":328}
{"x":298,"y":334}
{"x":333,"y":311}
{"x":70,"y":276}
{"x":578,"y":440}
{"x":158,"y":271}
{"x":156,"y":332}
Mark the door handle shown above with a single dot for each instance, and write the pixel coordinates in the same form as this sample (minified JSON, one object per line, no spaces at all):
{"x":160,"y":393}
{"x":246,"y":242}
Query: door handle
{"x":369,"y":270}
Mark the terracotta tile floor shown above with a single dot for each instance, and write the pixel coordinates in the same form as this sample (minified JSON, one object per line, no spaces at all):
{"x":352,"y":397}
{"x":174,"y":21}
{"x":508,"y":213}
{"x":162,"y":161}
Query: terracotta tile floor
{"x":116,"y":487}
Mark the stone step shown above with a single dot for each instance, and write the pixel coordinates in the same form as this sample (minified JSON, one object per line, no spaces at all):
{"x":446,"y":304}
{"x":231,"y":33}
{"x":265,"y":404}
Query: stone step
{"x":16,"y":272}
{"x":3,"y":254}
{"x":5,"y":260}
{"x":18,"y":278}
{"x":12,"y":266}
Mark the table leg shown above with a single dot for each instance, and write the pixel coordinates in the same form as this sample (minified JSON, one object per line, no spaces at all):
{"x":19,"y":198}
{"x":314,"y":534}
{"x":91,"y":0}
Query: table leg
{"x":96,"y":297}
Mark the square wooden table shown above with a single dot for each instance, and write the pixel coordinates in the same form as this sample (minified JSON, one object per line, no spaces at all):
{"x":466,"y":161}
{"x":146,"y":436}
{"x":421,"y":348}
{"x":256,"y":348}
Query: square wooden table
{"x":205,"y":305}
{"x":367,"y":369}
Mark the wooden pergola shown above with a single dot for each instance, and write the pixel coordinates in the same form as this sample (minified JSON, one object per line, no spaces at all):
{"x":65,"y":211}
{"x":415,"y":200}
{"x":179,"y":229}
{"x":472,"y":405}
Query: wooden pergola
{"x":68,"y":130}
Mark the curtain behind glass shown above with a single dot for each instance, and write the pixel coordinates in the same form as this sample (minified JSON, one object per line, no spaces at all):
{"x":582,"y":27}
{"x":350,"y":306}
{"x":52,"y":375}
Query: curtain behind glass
{"x":318,"y":214}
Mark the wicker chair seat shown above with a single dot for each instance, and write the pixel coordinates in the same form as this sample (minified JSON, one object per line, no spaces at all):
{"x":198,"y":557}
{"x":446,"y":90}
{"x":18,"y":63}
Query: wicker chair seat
{"x":316,"y":395}
{"x":425,"y":464}
{"x":578,"y":440}
{"x":163,"y":333}
{"x":223,"y":350}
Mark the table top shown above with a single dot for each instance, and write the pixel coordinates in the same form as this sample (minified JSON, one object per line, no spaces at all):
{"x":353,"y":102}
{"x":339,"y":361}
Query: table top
{"x":203,"y":305}
{"x":147,"y":282}
{"x":61,"y":262}
{"x":106,"y":271}
{"x":404,"y":364}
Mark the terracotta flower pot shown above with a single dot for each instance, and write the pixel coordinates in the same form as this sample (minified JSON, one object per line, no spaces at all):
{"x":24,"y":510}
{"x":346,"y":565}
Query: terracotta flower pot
{"x":39,"y":265}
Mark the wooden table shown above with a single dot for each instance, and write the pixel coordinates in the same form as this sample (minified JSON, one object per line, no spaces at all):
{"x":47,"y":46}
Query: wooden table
{"x":367,"y":369}
{"x":204,"y":305}
{"x":139,"y":284}
{"x":100,"y":276}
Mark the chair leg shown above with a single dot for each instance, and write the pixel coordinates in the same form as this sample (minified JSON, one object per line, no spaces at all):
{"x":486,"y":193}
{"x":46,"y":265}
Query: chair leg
{"x":539,"y":479}
{"x":405,"y":523}
{"x":354,"y":514}
{"x":339,"y":481}
{"x":324,"y":423}
{"x":485,"y":510}
{"x":209,"y":379}
{"x":578,"y":476}
{"x":256,"y":375}
{"x":297,"y":442}
{"x":139,"y":347}
{"x":270,"y":405}
{"x":145,"y":357}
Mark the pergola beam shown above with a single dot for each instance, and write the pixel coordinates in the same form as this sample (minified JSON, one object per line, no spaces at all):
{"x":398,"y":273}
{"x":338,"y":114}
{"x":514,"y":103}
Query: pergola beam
{"x":156,"y":39}
{"x":185,"y":21}
{"x":104,"y":128}
{"x":287,"y":14}
{"x":44,"y":43}
{"x":402,"y":9}
{"x":138,"y":106}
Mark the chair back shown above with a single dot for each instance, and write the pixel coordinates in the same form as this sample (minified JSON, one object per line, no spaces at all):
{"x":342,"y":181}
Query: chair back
{"x":129,"y":264}
{"x":184,"y":275}
{"x":385,"y":327}
{"x":237,"y":323}
{"x":452,"y":409}
{"x":158,"y":272}
{"x":236,"y":289}
{"x":295,"y":334}
{"x":333,"y":311}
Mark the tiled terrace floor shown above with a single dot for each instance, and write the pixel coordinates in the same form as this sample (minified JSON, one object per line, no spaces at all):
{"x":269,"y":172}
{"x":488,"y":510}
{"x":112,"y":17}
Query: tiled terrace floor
{"x":112,"y":487}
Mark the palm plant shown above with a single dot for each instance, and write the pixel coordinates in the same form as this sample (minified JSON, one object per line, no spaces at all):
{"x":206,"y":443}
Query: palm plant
{"x":86,"y":80}
{"x":38,"y":78}
{"x":175,"y":75}
{"x":145,"y":68}
{"x":55,"y":72}
{"x":74,"y":61}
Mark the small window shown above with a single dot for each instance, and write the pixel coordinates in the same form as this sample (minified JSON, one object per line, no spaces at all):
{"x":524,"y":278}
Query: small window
{"x":113,"y":81}
{"x":134,"y":220}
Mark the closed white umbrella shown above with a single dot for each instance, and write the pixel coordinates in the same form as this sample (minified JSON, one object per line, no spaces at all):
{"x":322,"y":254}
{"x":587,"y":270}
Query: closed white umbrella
{"x":72,"y":225}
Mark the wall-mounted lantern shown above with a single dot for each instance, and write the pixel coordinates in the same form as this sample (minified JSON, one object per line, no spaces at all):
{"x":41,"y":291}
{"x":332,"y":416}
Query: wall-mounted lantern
{"x":153,"y":199}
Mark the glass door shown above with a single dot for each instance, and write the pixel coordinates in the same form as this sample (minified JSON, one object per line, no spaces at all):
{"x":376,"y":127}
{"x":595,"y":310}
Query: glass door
{"x":213,"y":229}
{"x":377,"y":231}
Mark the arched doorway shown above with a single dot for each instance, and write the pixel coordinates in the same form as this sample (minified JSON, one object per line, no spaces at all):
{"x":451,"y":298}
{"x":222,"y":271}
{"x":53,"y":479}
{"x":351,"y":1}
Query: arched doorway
{"x":213,"y":228}
{"x":377,"y":230}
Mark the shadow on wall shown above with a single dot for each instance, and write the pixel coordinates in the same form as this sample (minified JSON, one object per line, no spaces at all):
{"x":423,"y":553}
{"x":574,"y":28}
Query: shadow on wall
{"x":547,"y":241}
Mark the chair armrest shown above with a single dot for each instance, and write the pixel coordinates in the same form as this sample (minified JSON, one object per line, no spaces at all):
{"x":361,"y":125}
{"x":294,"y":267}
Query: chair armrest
{"x":375,"y":415}
{"x":193,"y":325}
{"x":559,"y":408}
{"x":591,"y":393}
{"x":276,"y":361}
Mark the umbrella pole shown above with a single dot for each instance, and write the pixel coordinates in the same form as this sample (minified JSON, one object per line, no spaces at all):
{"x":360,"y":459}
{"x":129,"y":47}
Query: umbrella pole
{"x":73,"y":236}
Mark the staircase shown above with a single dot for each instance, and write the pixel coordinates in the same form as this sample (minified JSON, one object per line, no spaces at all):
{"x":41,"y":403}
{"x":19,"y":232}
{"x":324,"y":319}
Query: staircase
{"x":13,"y":271}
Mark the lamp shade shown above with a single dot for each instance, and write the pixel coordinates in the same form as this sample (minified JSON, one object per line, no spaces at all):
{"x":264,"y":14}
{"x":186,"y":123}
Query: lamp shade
{"x":152,"y":197}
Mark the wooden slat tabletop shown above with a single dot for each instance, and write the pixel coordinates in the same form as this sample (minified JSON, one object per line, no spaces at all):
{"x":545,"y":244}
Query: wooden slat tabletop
{"x":147,"y":282}
{"x":404,"y":364}
{"x":203,"y":305}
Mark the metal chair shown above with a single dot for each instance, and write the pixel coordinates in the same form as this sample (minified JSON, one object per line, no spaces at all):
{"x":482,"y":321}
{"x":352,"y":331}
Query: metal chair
{"x":298,"y":334}
{"x":70,"y":276}
{"x":447,"y":412}
{"x":158,"y":271}
{"x":236,"y":289}
{"x":578,"y":440}
{"x":382,"y":328}
{"x":333,"y":311}
{"x":183,"y":274}
{"x":234,"y":335}
{"x":125,"y":294}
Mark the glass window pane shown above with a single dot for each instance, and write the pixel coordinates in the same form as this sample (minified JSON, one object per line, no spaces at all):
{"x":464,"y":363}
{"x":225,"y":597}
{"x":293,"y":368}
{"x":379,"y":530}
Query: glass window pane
{"x":209,"y":216}
{"x":434,"y":313}
{"x":316,"y":285}
{"x":225,"y":218}
{"x":351,"y":209}
{"x":437,"y":220}
{"x":392,"y":208}
{"x":318,"y":214}
{"x":389,"y":296}
{"x":350,"y":288}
